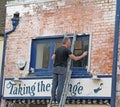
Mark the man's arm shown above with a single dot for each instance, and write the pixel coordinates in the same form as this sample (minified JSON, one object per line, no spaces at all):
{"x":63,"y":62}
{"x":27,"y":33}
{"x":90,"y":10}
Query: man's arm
{"x":76,"y":58}
{"x":53,"y":57}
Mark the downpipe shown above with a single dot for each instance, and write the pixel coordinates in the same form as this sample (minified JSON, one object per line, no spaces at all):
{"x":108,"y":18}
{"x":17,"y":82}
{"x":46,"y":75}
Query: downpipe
{"x":15,"y":22}
{"x":115,"y":54}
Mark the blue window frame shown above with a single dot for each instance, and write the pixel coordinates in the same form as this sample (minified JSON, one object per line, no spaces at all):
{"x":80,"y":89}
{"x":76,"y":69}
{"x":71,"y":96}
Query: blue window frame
{"x":43,"y":48}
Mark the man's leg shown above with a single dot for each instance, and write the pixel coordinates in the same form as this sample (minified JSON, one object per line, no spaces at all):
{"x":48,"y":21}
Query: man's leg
{"x":54,"y":86}
{"x":61,"y":80}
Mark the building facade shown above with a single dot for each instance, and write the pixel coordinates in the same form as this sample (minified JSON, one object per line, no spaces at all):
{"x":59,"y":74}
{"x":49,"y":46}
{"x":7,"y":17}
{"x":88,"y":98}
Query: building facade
{"x":2,"y":30}
{"x":42,"y":25}
{"x":2,"y":26}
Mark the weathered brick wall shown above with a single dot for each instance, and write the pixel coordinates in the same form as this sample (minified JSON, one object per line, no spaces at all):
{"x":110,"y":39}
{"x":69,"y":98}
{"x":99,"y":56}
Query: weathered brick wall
{"x":2,"y":16}
{"x":51,"y":18}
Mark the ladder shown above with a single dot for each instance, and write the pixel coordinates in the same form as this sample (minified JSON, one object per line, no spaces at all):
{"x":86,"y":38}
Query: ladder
{"x":68,"y":75}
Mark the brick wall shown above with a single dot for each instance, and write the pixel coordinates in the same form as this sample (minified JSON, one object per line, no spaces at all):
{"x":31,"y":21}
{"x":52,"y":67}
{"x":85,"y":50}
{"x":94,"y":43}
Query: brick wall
{"x":96,"y":17}
{"x":51,"y":18}
{"x":2,"y":16}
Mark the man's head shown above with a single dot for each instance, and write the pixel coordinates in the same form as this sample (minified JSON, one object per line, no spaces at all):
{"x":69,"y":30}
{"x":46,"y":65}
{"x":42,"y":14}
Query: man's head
{"x":66,"y":42}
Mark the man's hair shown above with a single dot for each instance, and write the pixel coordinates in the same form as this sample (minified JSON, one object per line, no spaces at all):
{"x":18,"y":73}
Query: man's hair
{"x":65,"y":39}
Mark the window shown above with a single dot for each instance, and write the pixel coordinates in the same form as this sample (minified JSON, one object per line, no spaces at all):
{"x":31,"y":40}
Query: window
{"x":79,"y":48}
{"x":44,"y":47}
{"x":42,"y":55}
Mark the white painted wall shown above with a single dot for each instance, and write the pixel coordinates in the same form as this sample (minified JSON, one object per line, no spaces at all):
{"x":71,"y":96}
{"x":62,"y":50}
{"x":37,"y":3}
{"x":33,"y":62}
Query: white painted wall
{"x":21,"y":2}
{"x":1,"y":50}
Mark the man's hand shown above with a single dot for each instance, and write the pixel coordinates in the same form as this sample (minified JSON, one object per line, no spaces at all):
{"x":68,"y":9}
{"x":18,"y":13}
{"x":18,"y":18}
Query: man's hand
{"x":76,"y":58}
{"x":53,"y":57}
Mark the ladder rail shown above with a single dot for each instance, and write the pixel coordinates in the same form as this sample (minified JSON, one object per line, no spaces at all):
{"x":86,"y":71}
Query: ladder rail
{"x":68,"y":76}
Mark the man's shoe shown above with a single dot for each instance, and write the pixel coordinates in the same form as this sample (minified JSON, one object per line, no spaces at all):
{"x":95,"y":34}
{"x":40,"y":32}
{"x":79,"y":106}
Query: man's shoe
{"x":53,"y":103}
{"x":56,"y":103}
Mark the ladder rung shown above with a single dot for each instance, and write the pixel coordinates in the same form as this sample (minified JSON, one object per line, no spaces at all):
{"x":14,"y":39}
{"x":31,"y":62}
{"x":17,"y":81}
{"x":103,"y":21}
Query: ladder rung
{"x":77,"y":34}
{"x":82,"y":34}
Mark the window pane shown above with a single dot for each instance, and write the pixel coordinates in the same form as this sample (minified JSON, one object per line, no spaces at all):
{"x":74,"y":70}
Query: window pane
{"x":80,"y":47}
{"x":43,"y":55}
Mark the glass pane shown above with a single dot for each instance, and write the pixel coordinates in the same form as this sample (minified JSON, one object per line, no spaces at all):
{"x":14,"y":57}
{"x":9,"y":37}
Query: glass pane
{"x":80,"y":47}
{"x":43,"y":56}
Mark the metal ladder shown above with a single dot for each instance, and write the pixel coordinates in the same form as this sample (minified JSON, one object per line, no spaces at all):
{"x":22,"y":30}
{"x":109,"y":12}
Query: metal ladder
{"x":68,"y":75}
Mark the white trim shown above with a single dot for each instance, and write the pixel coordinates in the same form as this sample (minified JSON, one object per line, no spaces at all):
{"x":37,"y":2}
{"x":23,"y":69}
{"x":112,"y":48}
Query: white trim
{"x":89,"y":55}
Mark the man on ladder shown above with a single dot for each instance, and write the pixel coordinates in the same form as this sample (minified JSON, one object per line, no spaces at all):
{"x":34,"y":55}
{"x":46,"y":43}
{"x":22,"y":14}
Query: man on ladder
{"x":60,"y":58}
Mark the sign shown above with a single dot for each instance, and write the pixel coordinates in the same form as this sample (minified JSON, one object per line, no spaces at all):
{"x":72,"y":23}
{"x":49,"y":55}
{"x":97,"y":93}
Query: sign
{"x":78,"y":87}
